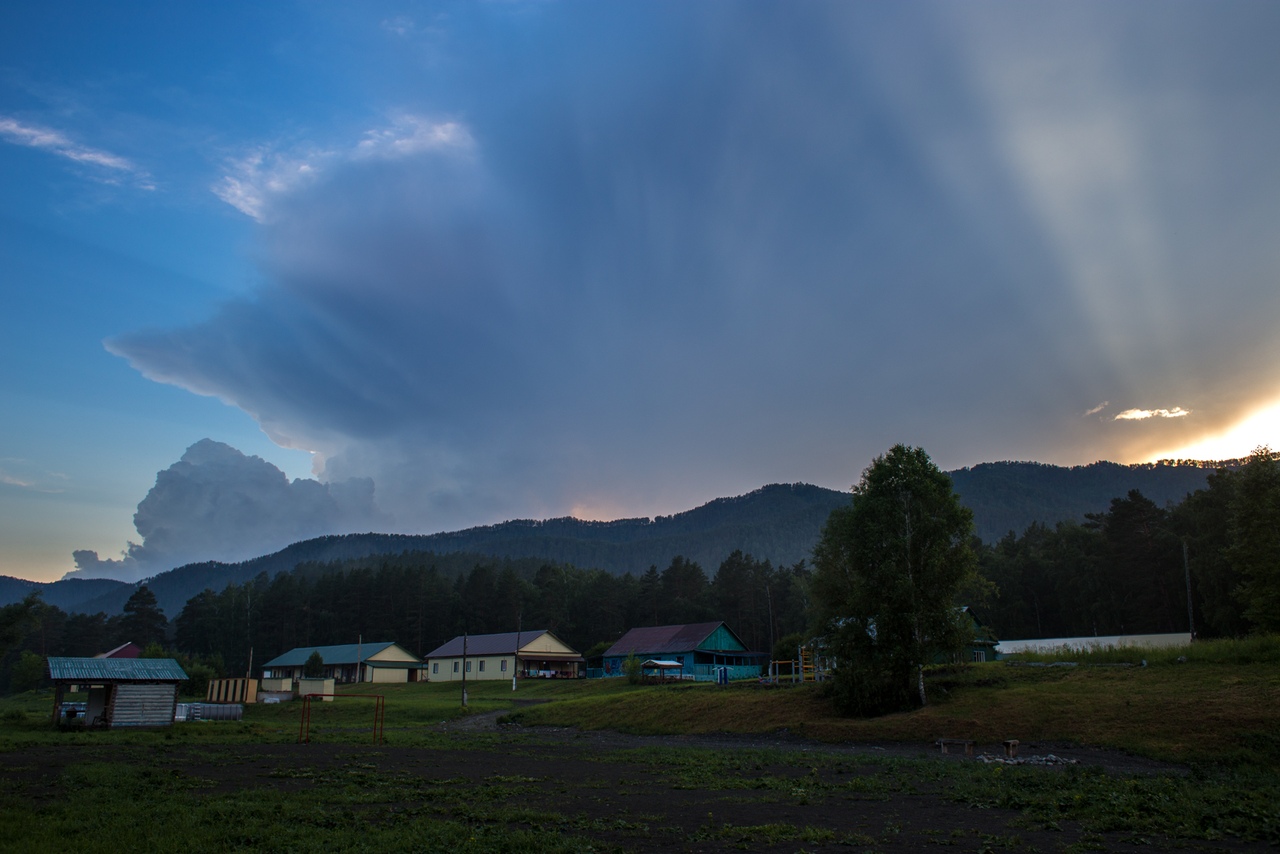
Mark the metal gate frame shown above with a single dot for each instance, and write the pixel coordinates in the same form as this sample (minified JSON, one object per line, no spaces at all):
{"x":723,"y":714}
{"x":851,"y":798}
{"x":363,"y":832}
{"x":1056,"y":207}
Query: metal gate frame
{"x":379,"y":715}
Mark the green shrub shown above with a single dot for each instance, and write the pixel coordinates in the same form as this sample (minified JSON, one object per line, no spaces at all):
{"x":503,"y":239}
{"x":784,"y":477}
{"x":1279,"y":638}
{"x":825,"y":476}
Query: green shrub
{"x":313,"y":667}
{"x":633,"y":669}
{"x":27,"y":673}
{"x":198,"y":683}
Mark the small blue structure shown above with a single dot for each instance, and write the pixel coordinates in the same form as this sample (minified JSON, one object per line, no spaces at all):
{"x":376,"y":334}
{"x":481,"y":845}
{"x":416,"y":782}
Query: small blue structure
{"x":702,"y":649}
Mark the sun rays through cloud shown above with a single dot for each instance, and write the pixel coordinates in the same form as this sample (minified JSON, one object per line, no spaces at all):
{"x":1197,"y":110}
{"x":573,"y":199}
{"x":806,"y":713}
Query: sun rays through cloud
{"x":522,"y":260}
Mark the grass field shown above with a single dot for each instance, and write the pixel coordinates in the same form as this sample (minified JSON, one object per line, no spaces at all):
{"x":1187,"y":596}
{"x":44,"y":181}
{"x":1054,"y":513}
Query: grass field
{"x":248,"y":785}
{"x":1220,"y":706}
{"x":1198,"y":711}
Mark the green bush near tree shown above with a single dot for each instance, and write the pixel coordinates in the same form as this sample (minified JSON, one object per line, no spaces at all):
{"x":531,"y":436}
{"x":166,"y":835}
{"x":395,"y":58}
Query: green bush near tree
{"x":313,"y":667}
{"x":27,"y":673}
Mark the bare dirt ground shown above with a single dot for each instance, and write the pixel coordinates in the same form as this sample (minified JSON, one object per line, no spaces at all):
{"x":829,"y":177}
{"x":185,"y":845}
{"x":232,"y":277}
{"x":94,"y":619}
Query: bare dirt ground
{"x":608,"y":794}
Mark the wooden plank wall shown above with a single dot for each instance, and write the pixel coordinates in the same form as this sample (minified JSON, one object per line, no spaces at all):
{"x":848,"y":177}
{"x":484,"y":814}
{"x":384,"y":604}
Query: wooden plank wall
{"x":143,"y":705}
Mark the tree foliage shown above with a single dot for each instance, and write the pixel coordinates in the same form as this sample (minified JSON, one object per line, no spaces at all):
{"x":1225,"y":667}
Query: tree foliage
{"x":313,"y":667}
{"x":410,"y":600}
{"x":143,"y":621}
{"x":887,"y":570}
{"x":1126,"y":571}
{"x":28,"y":672}
{"x":15,"y":621}
{"x":1254,"y":550}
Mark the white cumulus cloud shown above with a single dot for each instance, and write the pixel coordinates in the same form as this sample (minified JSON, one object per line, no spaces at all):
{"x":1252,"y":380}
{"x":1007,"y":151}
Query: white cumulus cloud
{"x":218,"y":504}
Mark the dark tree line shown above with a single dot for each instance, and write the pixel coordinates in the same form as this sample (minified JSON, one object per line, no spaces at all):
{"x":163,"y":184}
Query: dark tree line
{"x":407,"y":599}
{"x":35,"y":631}
{"x":1125,"y":571}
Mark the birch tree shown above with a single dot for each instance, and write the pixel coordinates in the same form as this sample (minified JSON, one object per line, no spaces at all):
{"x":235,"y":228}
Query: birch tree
{"x":887,"y":570}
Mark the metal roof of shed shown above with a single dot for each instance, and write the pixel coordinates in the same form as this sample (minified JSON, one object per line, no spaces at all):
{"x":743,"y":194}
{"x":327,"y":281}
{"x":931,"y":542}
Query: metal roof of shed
{"x":115,"y":670}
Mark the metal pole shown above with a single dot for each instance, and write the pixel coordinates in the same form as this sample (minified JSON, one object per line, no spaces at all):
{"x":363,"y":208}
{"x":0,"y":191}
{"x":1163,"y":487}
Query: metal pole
{"x":464,"y":668}
{"x":1186,"y":568}
{"x":515,"y":659}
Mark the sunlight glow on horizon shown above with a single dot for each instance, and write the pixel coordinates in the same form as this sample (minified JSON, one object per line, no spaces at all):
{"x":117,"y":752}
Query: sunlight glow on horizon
{"x":1262,"y":428}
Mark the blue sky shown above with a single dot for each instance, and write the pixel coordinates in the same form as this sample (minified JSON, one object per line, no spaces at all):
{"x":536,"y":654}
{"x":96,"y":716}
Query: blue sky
{"x":537,"y":259}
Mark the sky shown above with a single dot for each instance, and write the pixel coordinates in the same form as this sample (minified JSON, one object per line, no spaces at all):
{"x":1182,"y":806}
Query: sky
{"x":420,"y":266}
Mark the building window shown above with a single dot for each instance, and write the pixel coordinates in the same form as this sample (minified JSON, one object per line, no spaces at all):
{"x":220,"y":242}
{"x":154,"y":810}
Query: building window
{"x":468,"y":666}
{"x":455,"y":667}
{"x":435,"y":668}
{"x":979,"y":655}
{"x":504,"y":665}
{"x":482,"y":665}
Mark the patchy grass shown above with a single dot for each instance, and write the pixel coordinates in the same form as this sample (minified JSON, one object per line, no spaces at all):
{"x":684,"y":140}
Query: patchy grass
{"x":140,"y":808}
{"x":555,"y":797}
{"x":1198,"y":711}
{"x":1206,"y":804}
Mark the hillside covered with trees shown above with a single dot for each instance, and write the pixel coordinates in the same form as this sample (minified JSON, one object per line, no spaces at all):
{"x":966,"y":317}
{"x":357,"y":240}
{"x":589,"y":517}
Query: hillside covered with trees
{"x":1122,"y":570}
{"x":780,"y":523}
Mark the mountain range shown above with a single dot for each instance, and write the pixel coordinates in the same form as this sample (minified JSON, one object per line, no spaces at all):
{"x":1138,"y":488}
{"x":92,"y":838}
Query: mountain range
{"x":780,"y":523}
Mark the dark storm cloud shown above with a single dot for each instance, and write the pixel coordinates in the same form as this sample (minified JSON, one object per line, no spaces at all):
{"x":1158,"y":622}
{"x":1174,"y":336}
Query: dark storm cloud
{"x":218,"y":504}
{"x":648,"y":258}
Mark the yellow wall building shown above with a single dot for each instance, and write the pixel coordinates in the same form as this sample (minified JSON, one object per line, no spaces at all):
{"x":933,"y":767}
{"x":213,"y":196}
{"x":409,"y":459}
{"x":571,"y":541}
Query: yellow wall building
{"x":531,"y":654}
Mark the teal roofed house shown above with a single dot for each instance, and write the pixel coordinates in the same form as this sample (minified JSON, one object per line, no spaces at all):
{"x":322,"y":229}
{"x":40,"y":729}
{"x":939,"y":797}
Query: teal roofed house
{"x":351,"y":662}
{"x":701,"y":648}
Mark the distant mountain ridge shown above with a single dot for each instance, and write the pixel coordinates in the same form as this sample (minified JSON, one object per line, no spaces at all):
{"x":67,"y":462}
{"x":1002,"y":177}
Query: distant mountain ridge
{"x":780,"y":523}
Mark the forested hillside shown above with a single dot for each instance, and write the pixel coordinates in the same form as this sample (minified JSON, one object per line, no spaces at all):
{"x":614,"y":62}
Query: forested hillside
{"x":779,"y":523}
{"x":1011,"y":496}
{"x":1126,"y":569}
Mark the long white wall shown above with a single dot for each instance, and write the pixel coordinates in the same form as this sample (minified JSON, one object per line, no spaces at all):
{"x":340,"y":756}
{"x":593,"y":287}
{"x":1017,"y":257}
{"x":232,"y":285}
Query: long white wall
{"x":480,"y":667}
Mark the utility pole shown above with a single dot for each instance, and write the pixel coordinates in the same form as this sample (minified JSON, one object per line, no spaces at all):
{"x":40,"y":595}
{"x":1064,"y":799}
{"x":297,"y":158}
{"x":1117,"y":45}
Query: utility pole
{"x":464,"y":668}
{"x":516,"y":658}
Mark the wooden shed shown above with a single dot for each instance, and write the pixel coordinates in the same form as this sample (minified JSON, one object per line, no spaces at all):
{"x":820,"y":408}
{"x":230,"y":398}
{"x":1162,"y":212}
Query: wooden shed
{"x":123,"y":692}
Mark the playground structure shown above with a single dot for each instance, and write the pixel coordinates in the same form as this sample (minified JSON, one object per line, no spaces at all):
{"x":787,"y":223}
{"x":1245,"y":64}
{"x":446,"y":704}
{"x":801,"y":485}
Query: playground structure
{"x":379,"y":713}
{"x":807,"y":666}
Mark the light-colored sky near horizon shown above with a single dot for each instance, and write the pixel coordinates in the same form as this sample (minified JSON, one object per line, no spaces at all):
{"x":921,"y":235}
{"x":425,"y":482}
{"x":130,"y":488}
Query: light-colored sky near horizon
{"x":538,"y":259}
